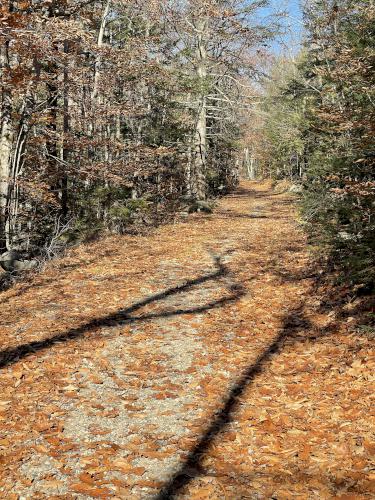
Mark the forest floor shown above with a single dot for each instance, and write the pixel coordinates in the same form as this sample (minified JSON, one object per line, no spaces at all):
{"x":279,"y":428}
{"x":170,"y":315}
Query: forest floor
{"x":206,"y":360}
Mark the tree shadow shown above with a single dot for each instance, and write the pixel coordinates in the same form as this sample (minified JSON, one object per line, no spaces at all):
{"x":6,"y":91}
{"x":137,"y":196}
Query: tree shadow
{"x":296,"y":328}
{"x":12,"y":355}
{"x":229,"y":214}
{"x":294,"y":323}
{"x":242,"y":192}
{"x":270,"y":194}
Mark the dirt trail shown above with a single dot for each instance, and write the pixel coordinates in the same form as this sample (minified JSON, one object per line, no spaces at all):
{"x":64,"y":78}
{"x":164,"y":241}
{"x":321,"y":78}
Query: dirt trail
{"x":193,"y":363}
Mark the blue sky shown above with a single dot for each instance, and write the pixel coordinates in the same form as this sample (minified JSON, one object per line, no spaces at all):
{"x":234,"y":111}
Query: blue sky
{"x":292,"y":23}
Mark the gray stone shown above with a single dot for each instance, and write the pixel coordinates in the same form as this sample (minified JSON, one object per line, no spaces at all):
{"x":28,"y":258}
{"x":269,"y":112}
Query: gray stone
{"x":344,"y":235}
{"x":201,"y":206}
{"x":296,"y":188}
{"x":12,"y":261}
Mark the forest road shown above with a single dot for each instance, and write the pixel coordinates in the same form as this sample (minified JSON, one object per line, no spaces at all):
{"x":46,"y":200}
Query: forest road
{"x":173,"y":365}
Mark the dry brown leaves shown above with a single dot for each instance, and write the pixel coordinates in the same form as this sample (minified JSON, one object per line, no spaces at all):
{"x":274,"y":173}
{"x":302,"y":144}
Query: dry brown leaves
{"x":133,"y":378}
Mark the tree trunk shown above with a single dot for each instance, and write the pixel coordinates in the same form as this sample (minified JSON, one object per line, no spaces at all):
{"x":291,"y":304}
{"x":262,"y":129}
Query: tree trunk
{"x":14,"y":233}
{"x":249,"y":164}
{"x":6,"y":138}
{"x":197,"y":174}
{"x":100,"y":44}
{"x":65,"y":152}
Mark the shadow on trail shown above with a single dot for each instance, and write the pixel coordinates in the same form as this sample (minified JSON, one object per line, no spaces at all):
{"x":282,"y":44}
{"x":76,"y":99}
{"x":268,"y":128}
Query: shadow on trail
{"x":14,"y":354}
{"x":242,"y":192}
{"x":294,"y":323}
{"x":229,"y":214}
{"x":296,"y":328}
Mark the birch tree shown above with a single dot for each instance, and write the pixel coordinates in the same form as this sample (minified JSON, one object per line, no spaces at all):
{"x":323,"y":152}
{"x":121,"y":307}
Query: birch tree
{"x":213,"y":43}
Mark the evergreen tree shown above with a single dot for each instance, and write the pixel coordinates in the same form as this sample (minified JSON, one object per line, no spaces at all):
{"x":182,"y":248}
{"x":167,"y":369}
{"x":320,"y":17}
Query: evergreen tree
{"x":339,"y":202}
{"x":318,"y":123}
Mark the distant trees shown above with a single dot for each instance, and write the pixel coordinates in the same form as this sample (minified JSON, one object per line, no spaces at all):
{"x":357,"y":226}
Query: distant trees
{"x":214,"y":43}
{"x":112,"y":110}
{"x":282,"y":120}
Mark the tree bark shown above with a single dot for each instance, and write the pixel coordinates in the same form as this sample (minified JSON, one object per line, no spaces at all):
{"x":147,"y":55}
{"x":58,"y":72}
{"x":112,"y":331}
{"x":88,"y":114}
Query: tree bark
{"x":65,"y":151}
{"x":197,"y":174}
{"x":249,"y":164}
{"x":6,"y":140}
{"x":100,"y":44}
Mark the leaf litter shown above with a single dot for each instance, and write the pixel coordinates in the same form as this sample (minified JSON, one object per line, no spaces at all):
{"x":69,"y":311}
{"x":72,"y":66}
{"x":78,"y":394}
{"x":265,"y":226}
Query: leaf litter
{"x":200,"y":361}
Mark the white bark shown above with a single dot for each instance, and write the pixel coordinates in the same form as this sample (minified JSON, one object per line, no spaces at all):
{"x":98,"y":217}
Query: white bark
{"x":6,"y":140}
{"x":249,"y":164}
{"x":100,"y":44}
{"x":198,"y":188}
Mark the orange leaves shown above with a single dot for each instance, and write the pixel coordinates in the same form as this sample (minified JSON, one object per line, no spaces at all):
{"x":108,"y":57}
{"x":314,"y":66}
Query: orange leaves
{"x":370,"y":446}
{"x":99,"y":431}
{"x":124,"y":466}
{"x":92,"y":491}
{"x":95,"y":379}
{"x":155,"y":454}
{"x":43,"y":425}
{"x":146,"y":483}
{"x":116,"y":411}
{"x":165,"y":395}
{"x":203,"y":492}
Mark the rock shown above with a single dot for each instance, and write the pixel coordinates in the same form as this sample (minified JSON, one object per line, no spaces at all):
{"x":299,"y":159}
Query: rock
{"x":25,"y":265}
{"x":201,"y":206}
{"x":12,"y":261}
{"x":7,"y":259}
{"x":188,"y":204}
{"x":10,"y":255}
{"x":344,"y":235}
{"x":296,"y":188}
